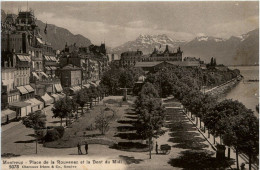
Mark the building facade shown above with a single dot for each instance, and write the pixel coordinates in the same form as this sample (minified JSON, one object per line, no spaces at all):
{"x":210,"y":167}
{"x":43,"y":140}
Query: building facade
{"x":71,"y":76}
{"x":165,"y":55}
{"x":130,"y":58}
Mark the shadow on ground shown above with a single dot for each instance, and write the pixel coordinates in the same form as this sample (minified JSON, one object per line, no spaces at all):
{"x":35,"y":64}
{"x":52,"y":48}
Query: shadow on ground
{"x":128,"y":136}
{"x":199,"y":159}
{"x":26,"y":141}
{"x":130,"y":160}
{"x":125,"y":128}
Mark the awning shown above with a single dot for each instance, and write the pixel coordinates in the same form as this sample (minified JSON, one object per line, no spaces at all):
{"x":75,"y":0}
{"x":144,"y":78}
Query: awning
{"x":28,"y":58}
{"x":44,"y":74}
{"x":97,"y":82}
{"x":19,"y":104}
{"x":61,"y":96}
{"x":46,"y":57}
{"x":87,"y":85}
{"x":39,"y":40}
{"x":77,"y":88}
{"x":58,"y":87}
{"x":34,"y":102}
{"x":73,"y":89}
{"x":22,"y":90}
{"x":93,"y":84}
{"x":53,"y":68}
{"x":23,"y":57}
{"x":31,"y":102}
{"x":29,"y":88}
{"x":53,"y":58}
{"x":35,"y":75}
{"x":56,"y":97}
{"x":10,"y":113}
{"x":47,"y":99}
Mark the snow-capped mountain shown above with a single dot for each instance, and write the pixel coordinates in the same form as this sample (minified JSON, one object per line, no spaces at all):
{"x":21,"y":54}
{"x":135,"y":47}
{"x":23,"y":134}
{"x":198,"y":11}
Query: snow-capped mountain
{"x":236,"y":50}
{"x":241,"y":49}
{"x":207,"y":38}
{"x":147,"y":43}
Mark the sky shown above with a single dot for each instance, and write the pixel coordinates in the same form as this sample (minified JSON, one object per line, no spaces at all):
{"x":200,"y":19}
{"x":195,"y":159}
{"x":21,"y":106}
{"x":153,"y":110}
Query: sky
{"x":119,"y":22}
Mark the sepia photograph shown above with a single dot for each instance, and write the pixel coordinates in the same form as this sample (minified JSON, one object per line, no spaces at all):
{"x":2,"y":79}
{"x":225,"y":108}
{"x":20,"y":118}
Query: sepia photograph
{"x":129,"y":85}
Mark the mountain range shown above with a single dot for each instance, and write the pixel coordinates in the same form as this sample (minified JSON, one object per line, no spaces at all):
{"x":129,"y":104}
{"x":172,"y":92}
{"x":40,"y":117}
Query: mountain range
{"x":146,"y":43}
{"x":57,"y":36}
{"x":237,"y":50}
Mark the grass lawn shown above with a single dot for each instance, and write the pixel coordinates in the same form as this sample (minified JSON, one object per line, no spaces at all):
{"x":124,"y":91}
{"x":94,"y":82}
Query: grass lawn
{"x":121,"y":134}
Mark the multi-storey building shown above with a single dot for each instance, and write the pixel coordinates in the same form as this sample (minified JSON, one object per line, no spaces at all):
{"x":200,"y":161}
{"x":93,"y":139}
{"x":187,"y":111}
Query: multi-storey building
{"x":71,"y":77}
{"x":165,"y":55}
{"x":32,"y":57}
{"x":129,"y":58}
{"x":92,"y":60}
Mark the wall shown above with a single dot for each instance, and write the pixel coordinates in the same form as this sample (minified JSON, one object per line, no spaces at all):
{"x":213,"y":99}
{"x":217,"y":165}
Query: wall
{"x":8,"y":78}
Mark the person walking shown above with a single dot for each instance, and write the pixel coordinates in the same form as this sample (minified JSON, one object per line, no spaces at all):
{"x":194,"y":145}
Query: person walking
{"x":156,"y":147}
{"x":79,"y":149}
{"x":86,"y":147}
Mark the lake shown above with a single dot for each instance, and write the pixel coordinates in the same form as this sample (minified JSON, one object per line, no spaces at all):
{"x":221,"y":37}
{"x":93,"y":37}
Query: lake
{"x":246,"y":92}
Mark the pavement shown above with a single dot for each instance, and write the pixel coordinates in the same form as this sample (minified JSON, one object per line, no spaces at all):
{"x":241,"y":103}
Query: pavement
{"x":241,"y":158}
{"x":19,"y":140}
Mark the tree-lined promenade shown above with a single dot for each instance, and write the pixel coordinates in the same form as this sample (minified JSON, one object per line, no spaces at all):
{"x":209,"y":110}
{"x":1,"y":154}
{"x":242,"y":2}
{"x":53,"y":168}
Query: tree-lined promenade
{"x":230,"y":120}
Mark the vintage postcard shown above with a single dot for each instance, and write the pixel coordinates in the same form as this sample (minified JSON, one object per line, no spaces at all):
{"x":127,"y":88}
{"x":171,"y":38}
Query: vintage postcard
{"x":129,"y":85}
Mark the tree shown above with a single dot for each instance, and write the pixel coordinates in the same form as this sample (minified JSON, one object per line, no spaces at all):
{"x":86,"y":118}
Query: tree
{"x":212,"y":61}
{"x":126,"y":79}
{"x":58,"y":110}
{"x":102,"y":122}
{"x":81,"y":98}
{"x":94,"y":93}
{"x":110,"y":79}
{"x":151,"y":114}
{"x":37,"y":121}
{"x":237,"y":125}
{"x":63,"y":109}
{"x":248,"y":136}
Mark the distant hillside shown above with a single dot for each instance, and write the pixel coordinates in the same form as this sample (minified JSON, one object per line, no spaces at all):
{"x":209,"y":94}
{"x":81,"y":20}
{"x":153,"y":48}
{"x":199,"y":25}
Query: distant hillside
{"x":58,"y":36}
{"x":240,"y":50}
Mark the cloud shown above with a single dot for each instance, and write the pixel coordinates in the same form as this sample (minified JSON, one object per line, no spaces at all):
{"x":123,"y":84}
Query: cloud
{"x":135,"y":24}
{"x":236,"y":27}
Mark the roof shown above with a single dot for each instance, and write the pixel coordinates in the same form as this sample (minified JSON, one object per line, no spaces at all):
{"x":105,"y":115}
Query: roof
{"x":70,"y":67}
{"x":19,"y":104}
{"x":132,"y":53}
{"x":177,"y":63}
{"x":185,"y":63}
{"x":147,"y":64}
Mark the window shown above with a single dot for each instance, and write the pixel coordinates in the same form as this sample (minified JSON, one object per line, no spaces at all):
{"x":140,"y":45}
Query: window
{"x":3,"y":76}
